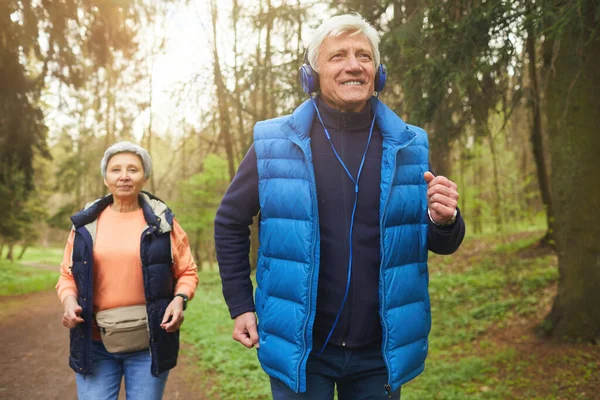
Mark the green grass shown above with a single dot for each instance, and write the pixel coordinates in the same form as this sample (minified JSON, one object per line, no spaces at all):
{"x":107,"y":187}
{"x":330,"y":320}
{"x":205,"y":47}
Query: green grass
{"x":41,"y":255}
{"x":535,"y":222}
{"x":19,"y":279}
{"x":235,"y":369}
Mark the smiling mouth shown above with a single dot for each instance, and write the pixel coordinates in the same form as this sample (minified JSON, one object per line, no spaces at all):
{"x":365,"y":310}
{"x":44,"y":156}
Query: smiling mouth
{"x":352,"y":83}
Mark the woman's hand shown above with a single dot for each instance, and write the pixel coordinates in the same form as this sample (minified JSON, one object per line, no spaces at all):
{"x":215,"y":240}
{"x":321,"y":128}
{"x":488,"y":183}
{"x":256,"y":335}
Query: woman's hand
{"x":175,"y":312}
{"x":71,"y":317}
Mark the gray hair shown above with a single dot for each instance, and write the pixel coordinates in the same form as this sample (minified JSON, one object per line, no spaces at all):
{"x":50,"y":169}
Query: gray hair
{"x":339,"y":25}
{"x":127,"y":147}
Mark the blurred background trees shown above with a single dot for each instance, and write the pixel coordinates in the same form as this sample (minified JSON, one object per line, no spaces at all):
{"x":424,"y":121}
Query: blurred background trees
{"x":509,"y":93}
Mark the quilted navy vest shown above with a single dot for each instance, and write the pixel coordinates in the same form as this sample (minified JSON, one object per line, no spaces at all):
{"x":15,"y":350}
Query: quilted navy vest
{"x":288,"y":264}
{"x":159,"y":283}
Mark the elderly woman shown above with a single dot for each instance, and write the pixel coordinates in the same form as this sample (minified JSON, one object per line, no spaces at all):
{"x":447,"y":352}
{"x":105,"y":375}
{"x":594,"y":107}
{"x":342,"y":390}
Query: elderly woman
{"x":126,"y":277}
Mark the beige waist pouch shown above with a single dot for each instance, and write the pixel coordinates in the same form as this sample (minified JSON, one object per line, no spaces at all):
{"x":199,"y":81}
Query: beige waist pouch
{"x":124,"y":329}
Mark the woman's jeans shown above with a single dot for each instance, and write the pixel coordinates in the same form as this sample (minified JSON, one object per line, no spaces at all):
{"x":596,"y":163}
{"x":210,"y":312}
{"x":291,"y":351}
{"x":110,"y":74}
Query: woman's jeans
{"x":109,"y":369}
{"x":359,"y":374}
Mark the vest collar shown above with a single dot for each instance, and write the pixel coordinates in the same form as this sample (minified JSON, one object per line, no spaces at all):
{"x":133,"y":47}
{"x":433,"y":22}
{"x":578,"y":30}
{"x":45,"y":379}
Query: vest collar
{"x":393,"y":129}
{"x":156,"y":213}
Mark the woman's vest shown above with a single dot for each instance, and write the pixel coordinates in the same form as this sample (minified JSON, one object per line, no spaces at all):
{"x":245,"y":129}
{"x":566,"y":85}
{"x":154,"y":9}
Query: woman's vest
{"x":288,"y":263}
{"x":159,"y":283}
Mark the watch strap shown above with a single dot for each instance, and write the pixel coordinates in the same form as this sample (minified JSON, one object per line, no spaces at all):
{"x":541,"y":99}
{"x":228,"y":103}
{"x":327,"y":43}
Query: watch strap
{"x":185,"y":299}
{"x":447,"y":223}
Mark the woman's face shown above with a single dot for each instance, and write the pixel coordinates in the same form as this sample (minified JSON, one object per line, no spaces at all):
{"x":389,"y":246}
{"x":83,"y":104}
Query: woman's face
{"x":125,"y":175}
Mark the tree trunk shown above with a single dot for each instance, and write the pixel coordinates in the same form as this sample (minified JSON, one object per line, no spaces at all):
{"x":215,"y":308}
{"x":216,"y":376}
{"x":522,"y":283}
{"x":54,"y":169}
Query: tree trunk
{"x":439,"y":154}
{"x":209,"y":256}
{"x":197,"y":250}
{"x":536,"y":137}
{"x":9,"y":255}
{"x":224,"y":121}
{"x":477,"y":201}
{"x":496,"y":182}
{"x":573,"y":104}
{"x":268,"y":81}
{"x":23,"y":250}
{"x":150,"y":99}
{"x":235,"y":16}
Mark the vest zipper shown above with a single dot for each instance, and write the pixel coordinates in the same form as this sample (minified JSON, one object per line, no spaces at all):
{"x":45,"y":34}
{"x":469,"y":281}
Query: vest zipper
{"x":387,"y":386}
{"x":88,"y":354}
{"x":312,"y":272}
{"x":388,"y":390}
{"x":148,"y":231}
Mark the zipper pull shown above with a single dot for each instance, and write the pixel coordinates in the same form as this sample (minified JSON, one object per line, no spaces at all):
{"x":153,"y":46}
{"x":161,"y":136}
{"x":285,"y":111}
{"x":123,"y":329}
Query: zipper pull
{"x":388,"y":390}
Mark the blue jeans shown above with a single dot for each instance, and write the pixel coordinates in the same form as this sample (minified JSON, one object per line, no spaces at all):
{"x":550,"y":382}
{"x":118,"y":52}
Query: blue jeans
{"x":359,"y":374}
{"x":109,"y":369}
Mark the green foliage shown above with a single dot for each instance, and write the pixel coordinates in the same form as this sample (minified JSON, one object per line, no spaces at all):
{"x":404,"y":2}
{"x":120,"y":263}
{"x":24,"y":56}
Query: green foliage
{"x":200,"y":195}
{"x":25,"y":210}
{"x":519,"y":205}
{"x":196,"y":204}
{"x":67,"y":44}
{"x":19,"y":279}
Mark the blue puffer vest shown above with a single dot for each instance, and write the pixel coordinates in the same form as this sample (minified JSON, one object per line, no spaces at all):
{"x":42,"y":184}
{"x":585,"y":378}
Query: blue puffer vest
{"x":288,"y":265}
{"x":159,"y":282}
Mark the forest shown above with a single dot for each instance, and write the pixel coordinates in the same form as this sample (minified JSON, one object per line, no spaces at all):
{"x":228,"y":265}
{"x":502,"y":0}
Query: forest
{"x":508,"y":92}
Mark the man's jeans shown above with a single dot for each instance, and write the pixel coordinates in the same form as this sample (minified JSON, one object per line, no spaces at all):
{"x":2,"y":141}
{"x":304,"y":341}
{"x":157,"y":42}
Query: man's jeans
{"x":109,"y":369}
{"x":359,"y":374}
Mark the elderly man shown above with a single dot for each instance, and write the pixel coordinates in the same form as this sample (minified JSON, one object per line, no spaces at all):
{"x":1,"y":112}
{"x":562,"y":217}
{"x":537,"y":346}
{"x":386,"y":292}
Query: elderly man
{"x":348,"y":210}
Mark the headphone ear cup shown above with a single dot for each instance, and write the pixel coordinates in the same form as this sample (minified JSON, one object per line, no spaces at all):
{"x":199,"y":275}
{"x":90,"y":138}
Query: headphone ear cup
{"x":380,"y":78}
{"x":309,"y":79}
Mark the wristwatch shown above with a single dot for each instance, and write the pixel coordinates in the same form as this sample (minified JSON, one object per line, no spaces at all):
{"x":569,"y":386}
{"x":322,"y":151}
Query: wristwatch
{"x":447,"y":223}
{"x":185,"y":299}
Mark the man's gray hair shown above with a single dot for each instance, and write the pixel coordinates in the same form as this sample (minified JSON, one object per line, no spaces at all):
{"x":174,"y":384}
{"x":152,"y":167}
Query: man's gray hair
{"x":353,"y":24}
{"x":127,"y":147}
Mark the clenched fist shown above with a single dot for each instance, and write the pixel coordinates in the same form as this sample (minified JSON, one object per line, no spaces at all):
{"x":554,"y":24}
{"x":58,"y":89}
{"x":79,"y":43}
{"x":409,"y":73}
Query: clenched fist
{"x":442,"y":198}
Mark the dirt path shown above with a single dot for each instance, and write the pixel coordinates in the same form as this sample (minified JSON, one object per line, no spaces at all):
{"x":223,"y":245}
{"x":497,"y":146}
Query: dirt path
{"x":34,"y":354}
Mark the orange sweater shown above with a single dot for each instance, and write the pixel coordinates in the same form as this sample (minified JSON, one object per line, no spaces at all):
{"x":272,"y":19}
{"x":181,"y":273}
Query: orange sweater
{"x":117,"y":273}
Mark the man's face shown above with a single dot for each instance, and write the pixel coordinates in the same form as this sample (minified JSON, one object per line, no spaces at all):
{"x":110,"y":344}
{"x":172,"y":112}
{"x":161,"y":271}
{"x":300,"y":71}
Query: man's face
{"x":346,"y":71}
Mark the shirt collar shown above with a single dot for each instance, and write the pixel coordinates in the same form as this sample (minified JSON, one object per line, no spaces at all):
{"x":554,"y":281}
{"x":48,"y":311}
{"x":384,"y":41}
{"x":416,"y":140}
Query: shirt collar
{"x":345,"y":121}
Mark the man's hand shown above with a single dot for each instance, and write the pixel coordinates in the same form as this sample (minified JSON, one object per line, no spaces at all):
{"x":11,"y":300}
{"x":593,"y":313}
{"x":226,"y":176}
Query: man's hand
{"x":174,"y":311}
{"x":442,"y":198}
{"x":72,"y":315}
{"x":244,"y":330}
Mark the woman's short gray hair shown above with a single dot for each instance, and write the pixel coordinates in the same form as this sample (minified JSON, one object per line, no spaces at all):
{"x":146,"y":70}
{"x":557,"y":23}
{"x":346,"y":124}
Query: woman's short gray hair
{"x":127,"y":147}
{"x":339,"y":25}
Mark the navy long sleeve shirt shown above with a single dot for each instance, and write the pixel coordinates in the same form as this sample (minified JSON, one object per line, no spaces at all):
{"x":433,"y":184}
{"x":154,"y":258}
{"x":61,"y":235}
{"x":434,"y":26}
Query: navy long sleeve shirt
{"x":359,"y":322}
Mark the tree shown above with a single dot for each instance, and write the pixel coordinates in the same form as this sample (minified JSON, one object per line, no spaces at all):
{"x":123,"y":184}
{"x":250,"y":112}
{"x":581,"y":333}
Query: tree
{"x":22,"y":128}
{"x":199,"y":198}
{"x":539,"y":153}
{"x":224,"y":121}
{"x":83,"y":48}
{"x":572,"y":57}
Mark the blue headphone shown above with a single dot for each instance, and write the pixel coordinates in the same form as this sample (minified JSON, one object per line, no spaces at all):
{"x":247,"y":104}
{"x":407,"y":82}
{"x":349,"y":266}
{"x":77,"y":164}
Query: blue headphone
{"x":309,"y":78}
